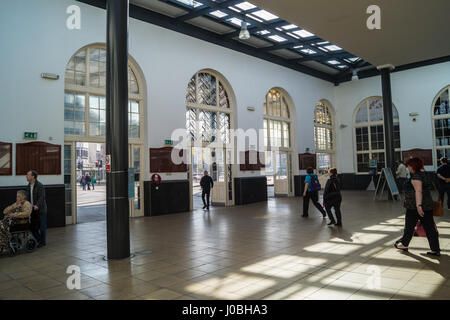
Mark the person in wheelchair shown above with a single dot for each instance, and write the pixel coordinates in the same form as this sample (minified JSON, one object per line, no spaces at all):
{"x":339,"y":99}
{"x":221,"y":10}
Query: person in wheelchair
{"x":19,"y":211}
{"x":16,"y":220}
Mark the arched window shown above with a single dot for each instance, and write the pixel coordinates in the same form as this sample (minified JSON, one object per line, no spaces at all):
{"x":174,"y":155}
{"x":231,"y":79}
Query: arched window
{"x":208,"y":104}
{"x":369,"y":134}
{"x":85,"y":91}
{"x":441,"y":124}
{"x":277,"y":142}
{"x":323,"y":135}
{"x":277,"y":121}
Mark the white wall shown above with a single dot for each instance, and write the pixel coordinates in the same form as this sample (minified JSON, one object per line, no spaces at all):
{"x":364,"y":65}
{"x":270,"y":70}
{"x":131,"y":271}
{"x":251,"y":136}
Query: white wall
{"x":412,"y":91}
{"x":38,"y":41}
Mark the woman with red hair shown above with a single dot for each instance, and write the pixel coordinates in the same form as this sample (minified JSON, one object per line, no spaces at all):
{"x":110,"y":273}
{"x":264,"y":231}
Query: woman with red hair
{"x":419,"y":206}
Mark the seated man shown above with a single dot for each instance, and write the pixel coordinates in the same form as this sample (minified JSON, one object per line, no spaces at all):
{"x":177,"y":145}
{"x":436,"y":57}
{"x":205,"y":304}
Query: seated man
{"x":19,"y":211}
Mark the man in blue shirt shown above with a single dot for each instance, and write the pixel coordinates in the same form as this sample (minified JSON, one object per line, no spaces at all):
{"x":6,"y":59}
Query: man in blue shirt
{"x":311,"y":191}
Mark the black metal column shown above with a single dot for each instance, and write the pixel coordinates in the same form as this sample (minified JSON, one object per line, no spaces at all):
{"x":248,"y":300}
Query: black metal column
{"x":388,"y":118}
{"x":117,"y":209}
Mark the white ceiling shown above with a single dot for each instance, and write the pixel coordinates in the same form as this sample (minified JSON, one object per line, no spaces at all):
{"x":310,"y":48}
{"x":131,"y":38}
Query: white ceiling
{"x":411,"y":30}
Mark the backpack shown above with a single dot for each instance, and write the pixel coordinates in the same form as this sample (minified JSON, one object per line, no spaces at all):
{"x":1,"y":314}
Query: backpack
{"x":315,"y":184}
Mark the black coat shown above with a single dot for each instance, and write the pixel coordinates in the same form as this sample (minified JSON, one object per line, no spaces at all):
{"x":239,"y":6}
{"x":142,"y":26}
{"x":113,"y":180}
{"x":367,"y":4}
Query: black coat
{"x":206,"y":183}
{"x":332,"y":192}
{"x":38,"y":197}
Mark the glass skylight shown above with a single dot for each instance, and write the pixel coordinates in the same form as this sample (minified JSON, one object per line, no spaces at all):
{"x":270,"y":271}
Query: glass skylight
{"x":253,"y":17}
{"x":298,"y":47}
{"x":303,"y":33}
{"x":234,"y":9}
{"x":354,"y":59}
{"x":333,"y":62}
{"x":277,"y":38}
{"x":323,"y":49}
{"x":293,"y":35}
{"x":333,"y":48}
{"x":289,"y":27}
{"x":219,"y":14}
{"x":245,"y":6}
{"x":236,"y":21}
{"x":189,"y":3}
{"x":342,"y":66}
{"x":263,"y":14}
{"x":308,"y":51}
{"x":263,"y":32}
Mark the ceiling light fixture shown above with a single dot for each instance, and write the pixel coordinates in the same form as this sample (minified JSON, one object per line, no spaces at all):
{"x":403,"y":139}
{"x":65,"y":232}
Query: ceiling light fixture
{"x":244,"y":34}
{"x":355,"y":75}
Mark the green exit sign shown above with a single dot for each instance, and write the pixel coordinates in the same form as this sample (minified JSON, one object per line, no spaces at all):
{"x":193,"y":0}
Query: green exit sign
{"x":30,"y":135}
{"x":168,"y":142}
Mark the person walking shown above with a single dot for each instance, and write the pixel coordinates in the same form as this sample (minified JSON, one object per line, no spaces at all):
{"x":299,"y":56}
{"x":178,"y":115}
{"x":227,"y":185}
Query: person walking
{"x":332,"y":198}
{"x":93,"y":183}
{"x":443,"y":175}
{"x":83,"y":182}
{"x":207,"y":183}
{"x":36,"y":194}
{"x":311,"y":191}
{"x":419,"y":206}
{"x":402,"y":176}
{"x":88,"y":181}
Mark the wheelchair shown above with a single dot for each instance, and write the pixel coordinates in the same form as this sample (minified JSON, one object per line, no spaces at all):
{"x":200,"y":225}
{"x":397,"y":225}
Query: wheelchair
{"x":16,"y":237}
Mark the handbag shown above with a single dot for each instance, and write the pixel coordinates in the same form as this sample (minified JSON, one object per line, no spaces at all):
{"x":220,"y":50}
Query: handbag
{"x":419,"y":230}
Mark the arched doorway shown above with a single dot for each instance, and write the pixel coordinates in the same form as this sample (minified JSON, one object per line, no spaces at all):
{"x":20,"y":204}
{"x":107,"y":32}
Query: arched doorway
{"x":209,"y":120}
{"x":278,"y":125}
{"x":84,"y":134}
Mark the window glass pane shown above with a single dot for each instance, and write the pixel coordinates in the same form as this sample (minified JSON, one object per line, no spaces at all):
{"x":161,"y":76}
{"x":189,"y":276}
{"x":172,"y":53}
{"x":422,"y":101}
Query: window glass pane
{"x":361,"y":115}
{"x":225,"y":127}
{"x":322,"y":114}
{"x":286,"y":135}
{"x":376,"y":109}
{"x":190,"y":92}
{"x":191,"y":123}
{"x":441,"y":105}
{"x":206,"y":89}
{"x":208,"y":123}
{"x":285,"y":109}
{"x":223,"y":97}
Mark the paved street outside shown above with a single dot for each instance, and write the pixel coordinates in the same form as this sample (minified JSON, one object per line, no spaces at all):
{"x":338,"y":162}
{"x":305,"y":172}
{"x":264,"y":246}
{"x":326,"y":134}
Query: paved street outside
{"x":91,"y":204}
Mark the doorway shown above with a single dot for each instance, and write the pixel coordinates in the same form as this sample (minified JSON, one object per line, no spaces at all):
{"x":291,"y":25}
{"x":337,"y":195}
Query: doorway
{"x":278,"y":173}
{"x":217,"y":162}
{"x":85,"y":201}
{"x":90,"y":182}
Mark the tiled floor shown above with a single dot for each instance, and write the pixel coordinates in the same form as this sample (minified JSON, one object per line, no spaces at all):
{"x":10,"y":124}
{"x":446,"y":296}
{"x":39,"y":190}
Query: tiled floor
{"x":258,"y":251}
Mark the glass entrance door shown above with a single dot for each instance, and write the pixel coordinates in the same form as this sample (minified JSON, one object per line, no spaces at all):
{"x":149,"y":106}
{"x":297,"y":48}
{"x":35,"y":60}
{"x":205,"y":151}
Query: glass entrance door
{"x":281,"y":178}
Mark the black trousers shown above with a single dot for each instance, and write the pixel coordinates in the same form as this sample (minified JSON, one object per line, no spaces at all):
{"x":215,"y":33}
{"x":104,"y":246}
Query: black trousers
{"x":336,"y":204}
{"x":444,"y":188}
{"x":35,"y":224}
{"x":205,"y":193}
{"x":411,"y":218}
{"x":314,"y":196}
{"x":401,"y":183}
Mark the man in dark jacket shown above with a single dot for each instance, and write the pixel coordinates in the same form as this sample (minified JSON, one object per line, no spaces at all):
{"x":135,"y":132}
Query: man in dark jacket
{"x":36,"y":195}
{"x":207,"y":184}
{"x":443,"y":175}
{"x":332,"y":198}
